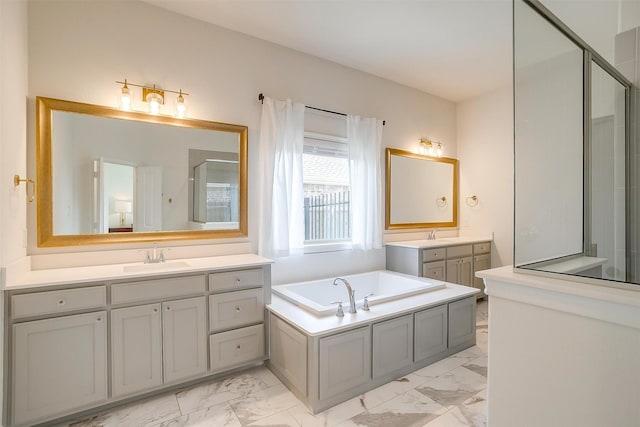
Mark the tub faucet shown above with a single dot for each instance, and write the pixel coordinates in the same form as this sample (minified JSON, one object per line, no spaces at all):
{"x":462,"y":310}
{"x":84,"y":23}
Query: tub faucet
{"x":350,"y":291}
{"x":432,"y":234}
{"x":156,"y":257}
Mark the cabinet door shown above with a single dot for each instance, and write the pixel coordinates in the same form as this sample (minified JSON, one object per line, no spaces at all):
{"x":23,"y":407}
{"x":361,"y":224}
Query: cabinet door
{"x":430,"y":332}
{"x":136,"y":349}
{"x":184,"y":338}
{"x":462,"y":322}
{"x":460,"y":271}
{"x":480,"y":262}
{"x":59,"y":365}
{"x":453,"y":273}
{"x":345,"y":362}
{"x":392,"y":345}
{"x":465,"y":271}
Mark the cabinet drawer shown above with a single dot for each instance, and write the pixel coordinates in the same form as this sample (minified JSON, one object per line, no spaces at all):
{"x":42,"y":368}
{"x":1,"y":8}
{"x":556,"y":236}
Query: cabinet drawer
{"x":236,"y":280}
{"x":459,"y":251}
{"x":482,"y":248}
{"x":61,"y":301}
{"x":234,"y":309}
{"x":236,"y":347}
{"x":433,"y":254}
{"x":123,"y":293}
{"x":434,"y":270}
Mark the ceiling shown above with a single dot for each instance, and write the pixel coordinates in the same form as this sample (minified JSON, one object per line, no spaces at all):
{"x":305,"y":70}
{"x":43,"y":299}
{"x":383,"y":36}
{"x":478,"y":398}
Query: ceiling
{"x":454,"y":49}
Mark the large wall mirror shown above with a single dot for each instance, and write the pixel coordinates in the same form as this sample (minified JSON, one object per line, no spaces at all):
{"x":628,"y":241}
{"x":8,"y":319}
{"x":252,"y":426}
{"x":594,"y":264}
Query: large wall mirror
{"x":421,"y":191}
{"x":111,"y":176}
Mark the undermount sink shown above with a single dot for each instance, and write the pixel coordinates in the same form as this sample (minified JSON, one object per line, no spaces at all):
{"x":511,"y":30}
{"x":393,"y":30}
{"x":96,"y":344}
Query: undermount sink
{"x":160,"y":266}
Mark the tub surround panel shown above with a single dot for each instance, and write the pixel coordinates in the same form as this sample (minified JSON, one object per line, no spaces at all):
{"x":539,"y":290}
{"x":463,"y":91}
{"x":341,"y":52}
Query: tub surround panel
{"x":339,"y":363}
{"x":591,"y":337}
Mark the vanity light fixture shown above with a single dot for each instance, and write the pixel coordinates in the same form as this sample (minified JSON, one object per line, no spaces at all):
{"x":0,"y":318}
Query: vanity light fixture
{"x":430,"y":147}
{"x":153,"y":96}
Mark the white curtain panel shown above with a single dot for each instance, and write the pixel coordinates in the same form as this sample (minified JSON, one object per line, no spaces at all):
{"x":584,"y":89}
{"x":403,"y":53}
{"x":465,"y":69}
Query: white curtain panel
{"x":281,"y":194}
{"x":364,"y":136}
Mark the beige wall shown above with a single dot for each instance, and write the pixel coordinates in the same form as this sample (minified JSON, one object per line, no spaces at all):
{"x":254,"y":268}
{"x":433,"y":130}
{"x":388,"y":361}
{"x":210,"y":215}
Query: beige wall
{"x":485,"y":152}
{"x":78,"y":49}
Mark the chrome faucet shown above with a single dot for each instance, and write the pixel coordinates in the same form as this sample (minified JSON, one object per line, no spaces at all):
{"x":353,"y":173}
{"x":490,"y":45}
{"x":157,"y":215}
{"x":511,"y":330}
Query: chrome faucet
{"x":156,"y":257}
{"x":350,"y":291}
{"x":432,"y":234}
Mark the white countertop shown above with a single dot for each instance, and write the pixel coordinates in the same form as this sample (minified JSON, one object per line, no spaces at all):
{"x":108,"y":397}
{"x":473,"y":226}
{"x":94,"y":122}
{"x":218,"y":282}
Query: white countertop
{"x":65,"y":276}
{"x":445,"y":241}
{"x":318,"y":325}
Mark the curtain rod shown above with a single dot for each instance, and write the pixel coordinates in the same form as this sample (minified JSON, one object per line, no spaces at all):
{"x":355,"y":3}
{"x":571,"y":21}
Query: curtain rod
{"x":261,"y":99}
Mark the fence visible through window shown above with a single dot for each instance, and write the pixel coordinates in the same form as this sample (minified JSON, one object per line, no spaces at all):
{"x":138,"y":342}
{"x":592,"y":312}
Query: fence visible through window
{"x":327,"y":217}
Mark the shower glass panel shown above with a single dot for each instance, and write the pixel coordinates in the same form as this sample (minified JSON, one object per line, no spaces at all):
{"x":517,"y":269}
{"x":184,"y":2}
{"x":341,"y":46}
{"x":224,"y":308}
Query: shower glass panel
{"x":606,"y":182}
{"x":572,"y":174}
{"x":216,"y":193}
{"x":548,"y":86}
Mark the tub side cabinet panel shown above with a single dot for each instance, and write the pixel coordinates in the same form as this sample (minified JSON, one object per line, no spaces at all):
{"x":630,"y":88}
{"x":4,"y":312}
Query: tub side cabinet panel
{"x":289,"y":353}
{"x":392,"y":345}
{"x":345,"y":362}
{"x":430,"y":332}
{"x":462,"y":323}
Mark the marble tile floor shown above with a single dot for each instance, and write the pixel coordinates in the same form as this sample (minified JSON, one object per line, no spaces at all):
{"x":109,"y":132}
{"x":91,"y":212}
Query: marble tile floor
{"x":448,"y":393}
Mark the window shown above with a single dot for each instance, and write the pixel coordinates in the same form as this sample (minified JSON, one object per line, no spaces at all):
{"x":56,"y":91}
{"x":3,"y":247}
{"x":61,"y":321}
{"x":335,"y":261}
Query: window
{"x":327,"y":196}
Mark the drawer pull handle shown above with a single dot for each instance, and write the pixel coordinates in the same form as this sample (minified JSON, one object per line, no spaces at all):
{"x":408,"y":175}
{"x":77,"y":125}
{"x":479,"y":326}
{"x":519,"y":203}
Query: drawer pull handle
{"x":238,"y":309}
{"x":61,"y":302}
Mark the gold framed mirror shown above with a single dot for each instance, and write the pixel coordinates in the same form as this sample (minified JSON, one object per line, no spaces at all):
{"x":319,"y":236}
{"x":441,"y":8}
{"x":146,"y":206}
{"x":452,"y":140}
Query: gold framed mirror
{"x":111,"y":176}
{"x":421,"y":191}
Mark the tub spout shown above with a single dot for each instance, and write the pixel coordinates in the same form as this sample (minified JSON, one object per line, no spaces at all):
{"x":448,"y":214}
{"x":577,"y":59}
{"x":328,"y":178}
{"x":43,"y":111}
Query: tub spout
{"x":350,"y":291}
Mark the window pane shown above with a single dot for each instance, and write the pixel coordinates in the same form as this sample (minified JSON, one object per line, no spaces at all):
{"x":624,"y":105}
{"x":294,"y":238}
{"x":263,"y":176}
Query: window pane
{"x":327,"y":211}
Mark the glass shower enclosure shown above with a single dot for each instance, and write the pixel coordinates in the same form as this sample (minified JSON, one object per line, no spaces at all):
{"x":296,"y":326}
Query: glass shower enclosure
{"x":574,"y":181}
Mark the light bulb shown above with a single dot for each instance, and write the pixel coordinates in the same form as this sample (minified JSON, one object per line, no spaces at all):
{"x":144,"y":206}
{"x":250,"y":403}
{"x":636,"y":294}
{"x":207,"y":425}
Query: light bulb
{"x":125,"y":97}
{"x":154,"y":101}
{"x":439,"y":149}
{"x":180,"y":107}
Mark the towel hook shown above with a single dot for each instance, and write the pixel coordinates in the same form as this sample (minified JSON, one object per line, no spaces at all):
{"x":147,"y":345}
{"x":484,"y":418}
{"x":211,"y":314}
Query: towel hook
{"x":441,"y":202}
{"x":472,"y":201}
{"x":31,"y":195}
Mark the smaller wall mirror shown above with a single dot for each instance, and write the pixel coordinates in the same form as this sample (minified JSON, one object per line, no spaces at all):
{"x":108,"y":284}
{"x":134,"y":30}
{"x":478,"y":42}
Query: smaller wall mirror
{"x":111,"y":176}
{"x":421,"y":191}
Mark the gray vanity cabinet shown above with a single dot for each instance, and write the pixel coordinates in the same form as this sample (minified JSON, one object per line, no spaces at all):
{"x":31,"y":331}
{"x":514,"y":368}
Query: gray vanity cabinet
{"x":345,"y":362}
{"x":430,"y":328}
{"x":392,"y":345}
{"x":452,"y":263}
{"x":59,"y":364}
{"x":136,"y":349}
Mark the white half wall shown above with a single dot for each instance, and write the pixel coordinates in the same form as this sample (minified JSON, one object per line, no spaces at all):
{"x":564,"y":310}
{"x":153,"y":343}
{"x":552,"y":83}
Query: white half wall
{"x":485,"y":152}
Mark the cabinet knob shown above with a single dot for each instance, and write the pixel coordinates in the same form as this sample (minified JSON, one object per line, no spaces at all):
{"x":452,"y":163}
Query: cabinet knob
{"x":238,"y":347}
{"x":168,"y":308}
{"x":155,"y":310}
{"x":61,"y":302}
{"x":237,"y":281}
{"x":98,"y":319}
{"x":238,"y":309}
